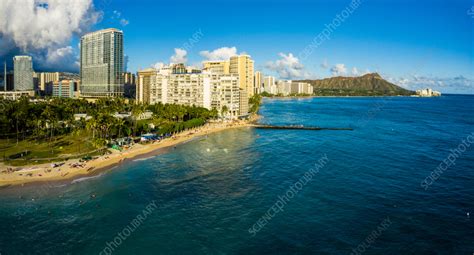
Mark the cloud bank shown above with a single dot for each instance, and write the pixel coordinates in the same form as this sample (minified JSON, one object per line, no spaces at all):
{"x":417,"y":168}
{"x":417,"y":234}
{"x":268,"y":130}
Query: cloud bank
{"x":180,"y":56}
{"x":339,"y":70}
{"x":457,"y":84}
{"x":44,"y":29}
{"x":223,"y":53}
{"x":288,"y":67}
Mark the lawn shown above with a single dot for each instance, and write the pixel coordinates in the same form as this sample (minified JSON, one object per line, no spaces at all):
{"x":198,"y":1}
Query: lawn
{"x":31,"y":151}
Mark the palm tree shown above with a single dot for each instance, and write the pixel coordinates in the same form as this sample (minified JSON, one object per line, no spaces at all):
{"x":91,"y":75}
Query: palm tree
{"x":224,"y":110}
{"x":120,"y":123}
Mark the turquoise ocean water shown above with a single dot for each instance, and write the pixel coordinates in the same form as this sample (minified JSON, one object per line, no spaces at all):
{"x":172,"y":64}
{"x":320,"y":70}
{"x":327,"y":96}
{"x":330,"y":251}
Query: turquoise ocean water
{"x":208,"y":193}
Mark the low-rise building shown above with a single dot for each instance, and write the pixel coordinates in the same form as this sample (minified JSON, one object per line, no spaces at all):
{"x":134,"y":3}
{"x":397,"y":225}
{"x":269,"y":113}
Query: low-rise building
{"x":64,"y":88}
{"x":428,"y":92}
{"x":15,"y":95}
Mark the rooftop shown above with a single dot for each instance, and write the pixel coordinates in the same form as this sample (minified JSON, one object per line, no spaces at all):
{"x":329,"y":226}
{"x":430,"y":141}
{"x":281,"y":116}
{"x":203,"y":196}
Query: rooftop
{"x":107,"y":30}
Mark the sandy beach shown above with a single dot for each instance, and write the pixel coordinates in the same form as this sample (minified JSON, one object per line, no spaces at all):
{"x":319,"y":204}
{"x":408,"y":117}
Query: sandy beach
{"x":73,"y":168}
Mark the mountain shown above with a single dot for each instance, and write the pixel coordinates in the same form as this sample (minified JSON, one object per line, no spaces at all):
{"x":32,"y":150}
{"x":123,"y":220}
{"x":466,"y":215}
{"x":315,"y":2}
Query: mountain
{"x":367,"y":85}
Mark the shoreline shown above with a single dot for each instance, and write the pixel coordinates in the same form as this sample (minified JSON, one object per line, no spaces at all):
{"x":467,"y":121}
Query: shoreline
{"x":302,"y":97}
{"x":43,"y":173}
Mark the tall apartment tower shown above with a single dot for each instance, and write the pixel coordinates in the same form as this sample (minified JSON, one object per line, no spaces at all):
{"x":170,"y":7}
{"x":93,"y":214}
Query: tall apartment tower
{"x":258,"y":80}
{"x":243,"y":65}
{"x":102,"y":64}
{"x":23,"y":73}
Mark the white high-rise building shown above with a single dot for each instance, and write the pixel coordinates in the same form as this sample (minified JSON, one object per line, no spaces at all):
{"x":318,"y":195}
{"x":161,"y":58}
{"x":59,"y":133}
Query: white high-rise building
{"x":207,"y":89}
{"x":23,"y":73}
{"x":190,"y":89}
{"x":102,"y":63}
{"x":283,"y":87}
{"x":225,"y":93}
{"x":269,"y":85}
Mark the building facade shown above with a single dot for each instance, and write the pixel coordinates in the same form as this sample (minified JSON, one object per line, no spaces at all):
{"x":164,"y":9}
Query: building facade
{"x":243,"y":65}
{"x":146,"y":78}
{"x":244,"y":103}
{"x":211,"y":90}
{"x":23,"y":73}
{"x":258,"y":81}
{"x":190,"y":89}
{"x":217,"y":67}
{"x":15,"y":95}
{"x":45,"y":81}
{"x":225,"y":94}
{"x":269,"y":85}
{"x":102,"y":64}
{"x":64,"y":88}
{"x":130,"y":85}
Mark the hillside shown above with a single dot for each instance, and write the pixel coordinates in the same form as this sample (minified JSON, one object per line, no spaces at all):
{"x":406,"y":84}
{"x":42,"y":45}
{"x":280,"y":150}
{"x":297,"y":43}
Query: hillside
{"x":367,"y":85}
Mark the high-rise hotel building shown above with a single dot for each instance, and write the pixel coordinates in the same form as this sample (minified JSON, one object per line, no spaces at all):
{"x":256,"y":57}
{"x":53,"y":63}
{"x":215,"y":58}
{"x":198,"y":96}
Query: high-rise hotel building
{"x":102,"y":64}
{"x":218,"y":67}
{"x":206,"y":89}
{"x":243,"y":65}
{"x":23,"y":73}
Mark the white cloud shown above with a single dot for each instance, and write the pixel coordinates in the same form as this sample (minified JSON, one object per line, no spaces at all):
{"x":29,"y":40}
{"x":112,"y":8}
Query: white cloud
{"x":223,"y":53}
{"x":355,"y":72}
{"x":180,"y":56}
{"x":288,"y":67}
{"x":44,"y":29}
{"x":62,"y":56}
{"x":338,"y":70}
{"x":158,"y":65}
{"x":458,"y":84}
{"x":117,"y":15}
{"x":124,"y":22}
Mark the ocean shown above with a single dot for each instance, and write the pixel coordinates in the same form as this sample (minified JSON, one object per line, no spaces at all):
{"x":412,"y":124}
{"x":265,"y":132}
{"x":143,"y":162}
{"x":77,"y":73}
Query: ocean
{"x":402,"y":182}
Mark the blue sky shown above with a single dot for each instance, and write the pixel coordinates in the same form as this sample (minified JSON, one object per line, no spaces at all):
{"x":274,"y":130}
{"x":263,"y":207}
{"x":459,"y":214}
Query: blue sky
{"x":411,"y":43}
{"x":426,"y":39}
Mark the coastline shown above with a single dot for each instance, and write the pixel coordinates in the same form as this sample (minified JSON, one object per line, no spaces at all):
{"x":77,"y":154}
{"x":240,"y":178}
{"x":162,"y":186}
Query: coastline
{"x":45,"y":173}
{"x":303,"y":97}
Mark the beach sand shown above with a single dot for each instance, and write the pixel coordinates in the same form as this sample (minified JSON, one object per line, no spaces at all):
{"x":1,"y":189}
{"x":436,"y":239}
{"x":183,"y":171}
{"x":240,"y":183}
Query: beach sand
{"x":47,"y":173}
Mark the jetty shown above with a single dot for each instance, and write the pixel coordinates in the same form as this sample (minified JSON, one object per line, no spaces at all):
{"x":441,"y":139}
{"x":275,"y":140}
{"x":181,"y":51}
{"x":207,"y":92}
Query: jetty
{"x":301,"y":128}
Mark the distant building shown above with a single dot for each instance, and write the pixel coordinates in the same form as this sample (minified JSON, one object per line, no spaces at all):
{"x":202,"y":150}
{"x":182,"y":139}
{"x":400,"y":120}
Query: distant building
{"x":283,"y":87}
{"x":10,"y":81}
{"x":269,"y":85}
{"x":257,"y":82}
{"x":243,"y":65}
{"x":23,"y":73}
{"x":217,"y":67}
{"x":45,"y":81}
{"x":287,"y":88}
{"x":145,"y":79}
{"x":301,"y":88}
{"x":130,"y":85}
{"x":179,"y":69}
{"x":428,"y":93}
{"x":4,"y":76}
{"x":64,"y":88}
{"x":102,"y":64}
{"x":15,"y":95}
